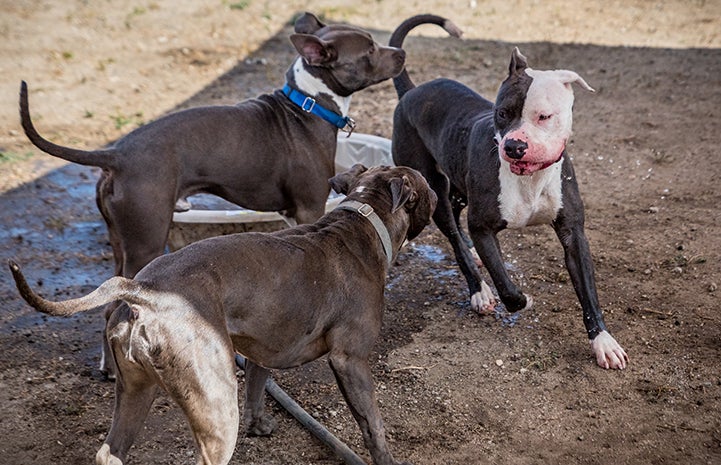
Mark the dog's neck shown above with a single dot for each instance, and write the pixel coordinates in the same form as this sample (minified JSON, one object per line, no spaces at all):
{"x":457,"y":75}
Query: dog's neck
{"x":367,"y":211}
{"x":312,"y":86}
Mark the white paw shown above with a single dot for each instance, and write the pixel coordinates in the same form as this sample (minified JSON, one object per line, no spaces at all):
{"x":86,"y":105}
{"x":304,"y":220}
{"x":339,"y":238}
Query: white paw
{"x":483,"y":301}
{"x":608,"y":353}
{"x":104,"y":457}
{"x":529,"y":302}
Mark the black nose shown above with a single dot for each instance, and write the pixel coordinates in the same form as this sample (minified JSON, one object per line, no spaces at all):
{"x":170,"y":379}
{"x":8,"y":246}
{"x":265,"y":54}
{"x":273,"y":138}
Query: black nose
{"x":515,"y":148}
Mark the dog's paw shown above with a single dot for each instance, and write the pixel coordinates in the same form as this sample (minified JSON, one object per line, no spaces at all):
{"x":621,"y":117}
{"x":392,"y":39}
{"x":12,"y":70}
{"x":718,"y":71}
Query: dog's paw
{"x":483,"y":302}
{"x":104,"y":457}
{"x":529,"y":302}
{"x":609,"y":354}
{"x":262,"y":426}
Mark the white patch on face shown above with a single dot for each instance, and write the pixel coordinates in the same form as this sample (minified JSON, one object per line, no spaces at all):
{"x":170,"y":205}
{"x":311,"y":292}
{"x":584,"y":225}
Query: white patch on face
{"x":312,"y":86}
{"x":359,"y":189}
{"x":546,"y":121}
{"x":529,"y":200}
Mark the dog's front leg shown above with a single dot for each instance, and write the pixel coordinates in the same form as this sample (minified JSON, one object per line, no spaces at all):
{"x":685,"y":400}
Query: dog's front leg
{"x":356,"y":384}
{"x":255,"y":420}
{"x":569,"y":228}
{"x":489,"y":250}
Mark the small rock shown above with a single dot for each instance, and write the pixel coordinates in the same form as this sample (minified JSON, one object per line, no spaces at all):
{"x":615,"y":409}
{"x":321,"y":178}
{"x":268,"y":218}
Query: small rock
{"x":712,"y":287}
{"x":499,"y":362}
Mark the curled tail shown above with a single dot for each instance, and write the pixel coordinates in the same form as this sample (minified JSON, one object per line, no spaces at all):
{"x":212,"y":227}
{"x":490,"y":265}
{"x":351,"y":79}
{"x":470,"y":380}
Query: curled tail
{"x":116,"y":288}
{"x":100,"y":158}
{"x":403,"y":82}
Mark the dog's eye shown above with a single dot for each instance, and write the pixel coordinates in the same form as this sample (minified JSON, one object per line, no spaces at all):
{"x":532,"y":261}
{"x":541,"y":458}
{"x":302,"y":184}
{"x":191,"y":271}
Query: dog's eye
{"x":543,"y":117}
{"x":501,"y":114}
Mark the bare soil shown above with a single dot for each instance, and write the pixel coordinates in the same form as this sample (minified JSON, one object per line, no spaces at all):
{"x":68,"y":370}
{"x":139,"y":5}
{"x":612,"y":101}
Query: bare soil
{"x":454,"y":388}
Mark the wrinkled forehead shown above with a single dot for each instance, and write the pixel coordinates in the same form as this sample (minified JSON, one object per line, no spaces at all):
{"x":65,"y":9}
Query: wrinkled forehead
{"x":547,"y":91}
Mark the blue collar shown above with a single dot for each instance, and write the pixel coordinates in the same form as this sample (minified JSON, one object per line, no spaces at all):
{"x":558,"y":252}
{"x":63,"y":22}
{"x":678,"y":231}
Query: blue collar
{"x":309,"y":105}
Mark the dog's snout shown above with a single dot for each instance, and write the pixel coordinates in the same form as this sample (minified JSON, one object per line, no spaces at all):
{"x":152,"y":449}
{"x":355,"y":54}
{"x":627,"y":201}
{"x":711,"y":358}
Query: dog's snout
{"x":400,"y":58}
{"x":515,"y":148}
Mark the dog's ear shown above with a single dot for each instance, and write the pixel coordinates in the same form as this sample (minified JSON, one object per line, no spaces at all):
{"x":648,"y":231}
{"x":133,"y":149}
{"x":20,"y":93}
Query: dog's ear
{"x":569,"y":77}
{"x":402,"y":192}
{"x":308,"y":23}
{"x":315,"y":51}
{"x":518,"y":63}
{"x":342,"y":182}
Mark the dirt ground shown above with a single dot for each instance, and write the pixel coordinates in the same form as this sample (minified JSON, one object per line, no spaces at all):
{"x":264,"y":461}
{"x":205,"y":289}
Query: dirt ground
{"x":454,"y":388}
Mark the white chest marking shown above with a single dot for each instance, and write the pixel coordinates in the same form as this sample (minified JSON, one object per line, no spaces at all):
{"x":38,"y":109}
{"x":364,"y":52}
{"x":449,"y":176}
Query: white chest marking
{"x":312,"y":86}
{"x":530,"y":200}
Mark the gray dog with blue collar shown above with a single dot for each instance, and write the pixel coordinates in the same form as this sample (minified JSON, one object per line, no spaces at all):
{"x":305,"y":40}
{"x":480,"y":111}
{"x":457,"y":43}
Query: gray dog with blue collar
{"x":272,"y":153}
{"x":186,"y":314}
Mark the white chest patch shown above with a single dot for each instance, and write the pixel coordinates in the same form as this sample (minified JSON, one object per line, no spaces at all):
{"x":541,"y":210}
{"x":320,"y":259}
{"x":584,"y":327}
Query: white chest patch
{"x":530,"y":200}
{"x":311,"y":85}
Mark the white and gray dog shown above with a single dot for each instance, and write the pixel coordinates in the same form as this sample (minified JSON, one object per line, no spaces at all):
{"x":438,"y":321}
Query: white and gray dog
{"x":507,"y":163}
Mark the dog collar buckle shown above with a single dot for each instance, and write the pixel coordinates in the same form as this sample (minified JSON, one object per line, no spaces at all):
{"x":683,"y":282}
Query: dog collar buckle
{"x":365,"y":210}
{"x":308,"y":104}
{"x":349,"y":126}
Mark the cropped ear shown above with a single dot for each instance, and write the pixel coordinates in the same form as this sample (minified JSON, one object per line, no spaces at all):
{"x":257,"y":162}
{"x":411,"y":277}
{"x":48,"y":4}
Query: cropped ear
{"x":569,"y":77}
{"x":315,"y":51}
{"x":341,"y":183}
{"x":518,"y":63}
{"x":308,"y":23}
{"x":402,"y":193}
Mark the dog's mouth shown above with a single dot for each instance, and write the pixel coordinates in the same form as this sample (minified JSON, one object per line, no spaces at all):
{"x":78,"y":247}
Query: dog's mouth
{"x":527,"y":168}
{"x":524,"y":168}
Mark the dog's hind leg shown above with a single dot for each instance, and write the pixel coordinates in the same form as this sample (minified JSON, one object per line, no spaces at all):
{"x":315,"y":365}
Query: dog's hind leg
{"x":459,"y":201}
{"x":201,"y":379}
{"x":136,"y":235}
{"x":135,"y":391}
{"x":256,"y":422}
{"x":133,"y":399}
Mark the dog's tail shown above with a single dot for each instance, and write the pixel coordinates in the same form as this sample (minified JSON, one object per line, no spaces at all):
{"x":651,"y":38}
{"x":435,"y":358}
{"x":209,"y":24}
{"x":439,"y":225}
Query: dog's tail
{"x":101,"y":158}
{"x":116,"y":288}
{"x":403,"y":82}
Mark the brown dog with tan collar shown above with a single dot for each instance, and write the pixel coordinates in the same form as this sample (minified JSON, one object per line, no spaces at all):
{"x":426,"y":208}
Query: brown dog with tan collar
{"x":280,"y":299}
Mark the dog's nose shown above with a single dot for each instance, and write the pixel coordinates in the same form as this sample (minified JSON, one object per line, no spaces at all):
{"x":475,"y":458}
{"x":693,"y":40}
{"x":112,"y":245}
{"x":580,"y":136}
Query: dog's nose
{"x":515,"y":148}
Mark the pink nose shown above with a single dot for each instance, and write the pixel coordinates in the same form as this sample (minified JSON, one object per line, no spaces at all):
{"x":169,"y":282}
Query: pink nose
{"x":515,"y":149}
